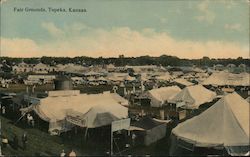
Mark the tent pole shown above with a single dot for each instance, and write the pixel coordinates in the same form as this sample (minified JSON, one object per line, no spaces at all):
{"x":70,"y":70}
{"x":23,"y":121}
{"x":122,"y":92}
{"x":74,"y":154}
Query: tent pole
{"x":111,"y":141}
{"x":86,"y":133}
{"x":19,"y":119}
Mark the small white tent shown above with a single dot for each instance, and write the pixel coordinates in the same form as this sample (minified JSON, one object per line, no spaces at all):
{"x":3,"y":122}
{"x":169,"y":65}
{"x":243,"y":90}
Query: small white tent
{"x":192,"y":97}
{"x":159,"y":96}
{"x":226,"y":124}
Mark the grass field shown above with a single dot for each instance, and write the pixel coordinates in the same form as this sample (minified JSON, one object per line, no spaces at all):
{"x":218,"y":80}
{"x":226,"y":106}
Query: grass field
{"x":39,"y":142}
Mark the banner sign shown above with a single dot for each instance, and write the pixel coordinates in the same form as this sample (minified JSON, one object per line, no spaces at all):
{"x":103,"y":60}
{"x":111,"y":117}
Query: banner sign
{"x":120,"y":124}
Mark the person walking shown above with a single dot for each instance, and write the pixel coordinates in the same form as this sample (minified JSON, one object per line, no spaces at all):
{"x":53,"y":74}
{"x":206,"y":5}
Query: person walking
{"x":15,"y":142}
{"x":24,"y":140}
{"x":3,"y":110}
{"x":133,"y":138}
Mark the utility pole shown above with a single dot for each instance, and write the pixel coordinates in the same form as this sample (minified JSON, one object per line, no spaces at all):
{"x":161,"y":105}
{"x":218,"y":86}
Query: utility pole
{"x":111,"y":142}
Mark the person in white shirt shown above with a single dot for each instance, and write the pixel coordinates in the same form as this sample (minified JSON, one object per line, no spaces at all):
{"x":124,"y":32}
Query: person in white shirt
{"x":62,"y":154}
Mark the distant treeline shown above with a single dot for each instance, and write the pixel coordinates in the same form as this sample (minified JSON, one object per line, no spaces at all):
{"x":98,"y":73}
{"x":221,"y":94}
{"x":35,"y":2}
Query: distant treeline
{"x":163,"y":60}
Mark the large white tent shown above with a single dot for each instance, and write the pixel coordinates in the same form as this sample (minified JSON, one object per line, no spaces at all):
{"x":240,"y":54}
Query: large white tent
{"x":226,"y":124}
{"x":159,"y":96}
{"x":192,"y":97}
{"x":83,"y":107}
{"x":225,"y":78}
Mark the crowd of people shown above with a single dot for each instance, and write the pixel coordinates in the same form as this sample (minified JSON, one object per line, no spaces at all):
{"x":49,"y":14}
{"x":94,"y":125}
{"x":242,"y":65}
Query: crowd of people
{"x":15,"y":141}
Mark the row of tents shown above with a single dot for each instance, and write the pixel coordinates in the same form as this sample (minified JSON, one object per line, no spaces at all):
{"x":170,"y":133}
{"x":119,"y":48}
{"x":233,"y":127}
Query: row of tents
{"x":221,"y":78}
{"x":224,"y":125}
{"x":190,"y":97}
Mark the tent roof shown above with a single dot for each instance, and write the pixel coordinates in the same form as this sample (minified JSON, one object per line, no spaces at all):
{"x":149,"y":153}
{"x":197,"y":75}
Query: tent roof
{"x":164,"y":93}
{"x":194,"y":96}
{"x":55,"y":108}
{"x":166,"y":77}
{"x":226,"y":123}
{"x":225,"y":78}
{"x":183,"y":82}
{"x":120,"y":99}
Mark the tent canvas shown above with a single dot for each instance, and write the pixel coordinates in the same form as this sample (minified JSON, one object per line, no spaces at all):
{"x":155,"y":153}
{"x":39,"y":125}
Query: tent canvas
{"x":226,"y":124}
{"x":56,"y":109}
{"x":248,"y":99}
{"x":183,"y":82}
{"x":192,"y":97}
{"x":226,"y":78}
{"x":159,"y":96}
{"x":165,"y":77}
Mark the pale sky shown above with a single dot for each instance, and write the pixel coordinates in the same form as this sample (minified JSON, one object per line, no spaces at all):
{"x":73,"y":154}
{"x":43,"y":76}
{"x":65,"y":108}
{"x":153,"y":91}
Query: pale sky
{"x":183,"y":28}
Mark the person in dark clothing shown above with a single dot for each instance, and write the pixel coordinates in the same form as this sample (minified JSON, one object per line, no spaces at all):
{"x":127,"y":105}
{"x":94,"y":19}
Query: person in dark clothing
{"x":24,"y":140}
{"x":15,"y":142}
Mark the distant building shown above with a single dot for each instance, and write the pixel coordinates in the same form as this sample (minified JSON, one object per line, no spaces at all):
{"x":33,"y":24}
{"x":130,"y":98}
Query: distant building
{"x":144,"y":68}
{"x":23,"y":67}
{"x":121,"y":56}
{"x":243,"y":67}
{"x":110,"y":67}
{"x":39,"y":68}
{"x":231,"y":67}
{"x":39,"y":79}
{"x":219,"y":67}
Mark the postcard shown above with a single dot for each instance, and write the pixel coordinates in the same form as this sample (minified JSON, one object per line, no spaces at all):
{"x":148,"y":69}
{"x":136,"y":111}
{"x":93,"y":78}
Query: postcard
{"x":124,"y":77}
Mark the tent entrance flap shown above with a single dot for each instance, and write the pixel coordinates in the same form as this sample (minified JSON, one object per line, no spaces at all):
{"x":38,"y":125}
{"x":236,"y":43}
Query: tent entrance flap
{"x":186,"y":145}
{"x":103,"y":119}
